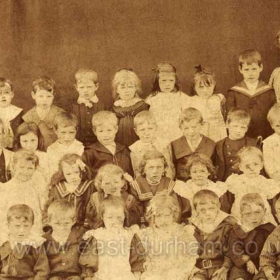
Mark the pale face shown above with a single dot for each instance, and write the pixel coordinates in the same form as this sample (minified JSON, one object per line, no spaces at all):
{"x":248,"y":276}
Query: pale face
{"x":62,"y":224}
{"x":86,"y":88}
{"x":71,"y":173}
{"x":207,"y":212}
{"x":251,"y":72}
{"x":6,"y":96}
{"x":113,"y":218}
{"x":146,"y":131}
{"x":251,"y":165}
{"x":106,"y":134}
{"x":237,"y":129}
{"x":191,"y":129}
{"x":19,"y":229}
{"x":276,"y":126}
{"x":204,"y":91}
{"x":166,"y":82}
{"x":199,"y":174}
{"x":24,"y":170}
{"x":126,"y":91}
{"x":252,"y":216}
{"x":29,"y":141}
{"x":112,"y":184}
{"x":66,"y":135}
{"x":164,"y":218}
{"x":43,"y":98}
{"x":154,"y":169}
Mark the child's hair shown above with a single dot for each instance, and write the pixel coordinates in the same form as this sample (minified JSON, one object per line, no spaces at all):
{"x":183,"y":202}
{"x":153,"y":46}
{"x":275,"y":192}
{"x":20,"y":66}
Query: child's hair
{"x":126,"y":76}
{"x":247,"y":151}
{"x":249,"y":57}
{"x":84,"y":73}
{"x":203,"y":196}
{"x":71,"y":159}
{"x":65,"y":119}
{"x":200,"y":158}
{"x":189,"y":114}
{"x":150,"y":155}
{"x":160,"y":203}
{"x":274,"y":113}
{"x":204,"y":76}
{"x":24,"y":129}
{"x":165,"y":67}
{"x":25,"y":155}
{"x":144,"y":116}
{"x":61,"y":207}
{"x":44,"y":83}
{"x":104,"y":117}
{"x":238,"y":114}
{"x":4,"y":82}
{"x":20,"y":211}
{"x":249,"y":199}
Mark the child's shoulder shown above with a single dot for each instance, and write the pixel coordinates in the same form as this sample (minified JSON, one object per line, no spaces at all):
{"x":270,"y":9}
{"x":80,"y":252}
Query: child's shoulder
{"x":207,"y":141}
{"x":272,"y":140}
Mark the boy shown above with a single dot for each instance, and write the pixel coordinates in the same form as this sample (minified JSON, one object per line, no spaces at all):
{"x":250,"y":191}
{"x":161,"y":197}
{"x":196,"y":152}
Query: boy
{"x":146,"y":129}
{"x":252,"y":94}
{"x":190,"y":122}
{"x":65,"y":128}
{"x":87,"y":104}
{"x":22,"y":255}
{"x":44,"y":113}
{"x":106,"y":150}
{"x":237,"y":123}
{"x":70,"y":257}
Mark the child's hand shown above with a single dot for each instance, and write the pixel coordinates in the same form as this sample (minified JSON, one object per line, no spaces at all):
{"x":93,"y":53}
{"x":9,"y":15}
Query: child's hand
{"x":220,"y":274}
{"x":270,"y":275}
{"x":88,"y":234}
{"x":127,"y":177}
{"x":251,"y":268}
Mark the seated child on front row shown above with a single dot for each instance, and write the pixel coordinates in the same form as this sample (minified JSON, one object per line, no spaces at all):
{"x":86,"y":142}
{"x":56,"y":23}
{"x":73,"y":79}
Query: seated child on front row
{"x":191,"y":123}
{"x":21,"y":253}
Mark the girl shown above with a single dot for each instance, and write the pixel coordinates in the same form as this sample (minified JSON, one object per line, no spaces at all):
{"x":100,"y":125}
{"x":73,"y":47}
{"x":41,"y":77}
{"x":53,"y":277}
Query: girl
{"x":210,"y":105}
{"x":126,"y":90}
{"x":167,"y":101}
{"x":72,"y":183}
{"x":110,"y":181}
{"x":126,"y":261}
{"x":175,"y":261}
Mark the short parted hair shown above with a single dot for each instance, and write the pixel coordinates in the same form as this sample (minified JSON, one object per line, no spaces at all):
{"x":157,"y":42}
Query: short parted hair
{"x":25,"y":155}
{"x":249,"y":199}
{"x":150,"y":155}
{"x":123,"y":77}
{"x":19,"y":212}
{"x":104,"y":118}
{"x":44,"y":83}
{"x":65,"y":119}
{"x":189,"y":114}
{"x":249,"y":57}
{"x":60,"y":208}
{"x":204,"y":76}
{"x":239,"y":115}
{"x":274,"y":113}
{"x":4,"y":82}
{"x":204,"y":196}
{"x":144,"y":116}
{"x":88,"y":74}
{"x":249,"y":150}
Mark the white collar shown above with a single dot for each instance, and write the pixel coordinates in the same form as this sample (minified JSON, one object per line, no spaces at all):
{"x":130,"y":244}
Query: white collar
{"x":9,"y":113}
{"x":252,"y":86}
{"x":129,"y":103}
{"x":88,"y":103}
{"x":33,"y":240}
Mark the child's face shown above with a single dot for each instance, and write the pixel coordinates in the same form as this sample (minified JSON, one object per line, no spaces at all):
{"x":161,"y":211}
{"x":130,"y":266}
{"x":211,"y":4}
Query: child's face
{"x":276,"y":125}
{"x":204,"y":91}
{"x":43,"y":98}
{"x":19,"y":229}
{"x":66,"y":134}
{"x":164,"y":218}
{"x":62,"y":223}
{"x":86,"y":88}
{"x":191,"y":129}
{"x":251,"y":72}
{"x":71,"y":173}
{"x":6,"y":96}
{"x":207,"y":211}
{"x":252,"y":216}
{"x":113,"y":218}
{"x":251,"y":165}
{"x":24,"y":170}
{"x":199,"y":174}
{"x":237,"y":129}
{"x":112,"y":184}
{"x":29,"y":141}
{"x":166,"y":82}
{"x":126,"y":91}
{"x":154,"y":169}
{"x":146,"y":131}
{"x":106,"y":133}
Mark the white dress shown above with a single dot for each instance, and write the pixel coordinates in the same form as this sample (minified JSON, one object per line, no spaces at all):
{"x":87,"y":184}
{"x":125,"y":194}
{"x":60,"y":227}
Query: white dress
{"x":274,"y":82}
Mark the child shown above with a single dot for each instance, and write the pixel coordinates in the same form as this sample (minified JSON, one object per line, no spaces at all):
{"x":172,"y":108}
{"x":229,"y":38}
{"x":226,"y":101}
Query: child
{"x":212,"y":106}
{"x":110,"y":180}
{"x":69,"y":256}
{"x":87,"y":104}
{"x":65,"y":128}
{"x":11,"y":115}
{"x":146,"y":128}
{"x":212,"y":230}
{"x":167,"y":101}
{"x":22,"y":255}
{"x":250,"y":162}
{"x":252,"y":94}
{"x":224,"y":159}
{"x":126,"y":90}
{"x":252,"y":233}
{"x":127,"y":258}
{"x":44,"y":113}
{"x":191,"y":124}
{"x":72,"y":183}
{"x":177,"y":242}
{"x":271,"y":145}
{"x":106,"y":150}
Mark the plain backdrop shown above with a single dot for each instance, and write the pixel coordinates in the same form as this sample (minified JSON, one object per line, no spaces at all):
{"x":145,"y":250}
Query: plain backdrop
{"x":55,"y":38}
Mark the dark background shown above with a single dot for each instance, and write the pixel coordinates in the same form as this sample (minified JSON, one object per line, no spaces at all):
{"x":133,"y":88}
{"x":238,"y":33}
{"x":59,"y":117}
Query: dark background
{"x":56,"y":38}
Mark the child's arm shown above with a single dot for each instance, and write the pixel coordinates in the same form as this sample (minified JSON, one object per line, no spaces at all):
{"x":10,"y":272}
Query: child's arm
{"x":134,"y":210}
{"x":41,"y":267}
{"x":270,"y":167}
{"x":137,"y":256}
{"x":135,"y":161}
{"x":93,"y":219}
{"x":167,"y":152}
